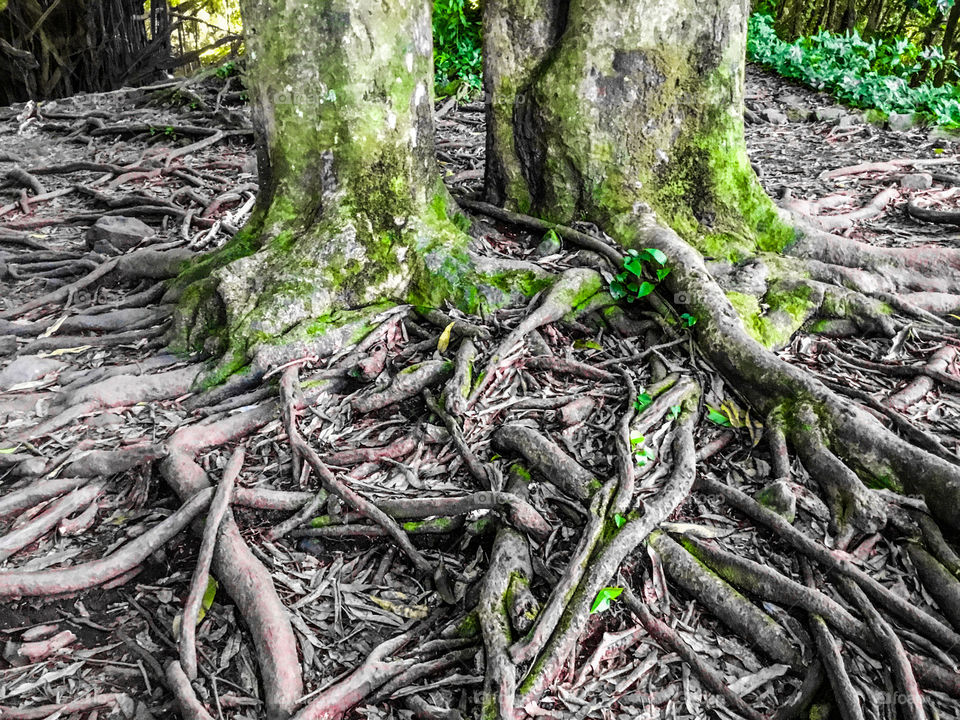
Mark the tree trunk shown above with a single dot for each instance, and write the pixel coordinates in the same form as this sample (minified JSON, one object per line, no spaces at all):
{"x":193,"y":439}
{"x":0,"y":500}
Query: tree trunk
{"x":949,"y":37}
{"x":634,"y":121}
{"x":634,"y":109}
{"x":351,"y":215}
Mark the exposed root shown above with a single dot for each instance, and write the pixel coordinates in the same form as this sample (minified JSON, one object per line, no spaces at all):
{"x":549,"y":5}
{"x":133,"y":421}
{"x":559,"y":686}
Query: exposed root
{"x":375,"y":671}
{"x":198,"y":585}
{"x":27,"y":583}
{"x":829,"y":650}
{"x":43,"y":523}
{"x":668,"y":638}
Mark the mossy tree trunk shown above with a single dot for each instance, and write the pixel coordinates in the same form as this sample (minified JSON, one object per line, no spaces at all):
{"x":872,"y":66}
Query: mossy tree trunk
{"x":638,"y":106}
{"x":352,"y":213}
{"x":633,"y":120}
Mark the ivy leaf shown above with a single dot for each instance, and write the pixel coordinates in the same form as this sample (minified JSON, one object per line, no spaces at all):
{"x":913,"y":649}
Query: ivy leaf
{"x":662,"y":273}
{"x":619,"y":520}
{"x":658,"y":256}
{"x":444,"y":342}
{"x":689,"y":319}
{"x":718,"y":417}
{"x":617,"y":290}
{"x":674,"y":412}
{"x":634,"y":265}
{"x":604,"y":598}
{"x":645,"y":289}
{"x":642,"y":402}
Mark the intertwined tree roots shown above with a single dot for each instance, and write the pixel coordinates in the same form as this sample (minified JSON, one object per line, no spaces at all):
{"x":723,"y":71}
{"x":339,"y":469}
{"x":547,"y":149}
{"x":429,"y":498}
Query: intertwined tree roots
{"x":396,"y":530}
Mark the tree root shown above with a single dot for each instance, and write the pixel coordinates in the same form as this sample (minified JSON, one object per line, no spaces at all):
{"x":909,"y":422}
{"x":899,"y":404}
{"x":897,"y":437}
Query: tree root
{"x":29,"y":532}
{"x":94,"y":702}
{"x":767,"y":381}
{"x":923,"y":383}
{"x":668,"y":638}
{"x":608,"y":559}
{"x":198,"y":585}
{"x":373,"y":673}
{"x":509,"y":560}
{"x":27,"y":583}
{"x":908,"y":697}
{"x":407,"y":384}
{"x":179,"y":684}
{"x":547,"y":458}
{"x":937,"y":580}
{"x":362,"y":505}
{"x":37,"y":492}
{"x":726,"y":604}
{"x":829,"y":652}
{"x":573,"y":291}
{"x":836,"y":561}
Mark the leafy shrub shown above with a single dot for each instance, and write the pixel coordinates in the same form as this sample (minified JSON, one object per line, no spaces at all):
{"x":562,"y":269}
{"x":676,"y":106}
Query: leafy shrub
{"x":864,"y":73}
{"x":457,"y":46}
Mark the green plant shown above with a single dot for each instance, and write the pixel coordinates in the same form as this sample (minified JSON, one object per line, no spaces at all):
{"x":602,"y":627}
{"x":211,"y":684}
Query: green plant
{"x":640,"y":452}
{"x":226,"y":70}
{"x":604,"y":598}
{"x":457,"y":46}
{"x":688,"y":319}
{"x":642,"y":270}
{"x":876,"y":73}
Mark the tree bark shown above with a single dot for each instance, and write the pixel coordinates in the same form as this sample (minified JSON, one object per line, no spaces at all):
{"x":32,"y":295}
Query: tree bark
{"x":352,"y":215}
{"x":631,"y":108}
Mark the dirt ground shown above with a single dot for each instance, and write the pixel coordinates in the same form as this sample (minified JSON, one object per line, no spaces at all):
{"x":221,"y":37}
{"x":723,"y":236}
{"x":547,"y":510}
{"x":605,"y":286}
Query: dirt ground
{"x":182,"y":163}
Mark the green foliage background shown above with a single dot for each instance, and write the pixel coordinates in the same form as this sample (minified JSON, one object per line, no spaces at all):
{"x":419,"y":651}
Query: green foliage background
{"x":885,"y":74}
{"x":457,"y":46}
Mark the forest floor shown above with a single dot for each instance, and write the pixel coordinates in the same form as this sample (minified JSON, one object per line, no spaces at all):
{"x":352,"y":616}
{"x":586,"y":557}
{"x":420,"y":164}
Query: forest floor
{"x":188,"y":172}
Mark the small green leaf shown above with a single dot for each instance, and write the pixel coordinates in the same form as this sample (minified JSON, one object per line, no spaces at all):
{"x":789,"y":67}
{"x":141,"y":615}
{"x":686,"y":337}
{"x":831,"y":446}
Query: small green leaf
{"x":718,"y":417}
{"x":604,"y":598}
{"x":587,"y":344}
{"x":645,"y":289}
{"x":617,"y":290}
{"x":662,"y":273}
{"x":674,"y":412}
{"x":634,"y":265}
{"x":637,"y":440}
{"x":552,"y":236}
{"x":658,"y":255}
{"x":689,"y":319}
{"x":643,"y":401}
{"x":620,"y":520}
{"x":8,"y":451}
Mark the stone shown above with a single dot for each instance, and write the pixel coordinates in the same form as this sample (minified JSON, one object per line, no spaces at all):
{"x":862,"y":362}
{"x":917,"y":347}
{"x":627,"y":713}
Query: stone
{"x":847,"y":122}
{"x":829,"y":114}
{"x":797,"y":109}
{"x":114,"y":234}
{"x":550,"y":245}
{"x":916,"y":181}
{"x":900,"y":122}
{"x":775,"y":117}
{"x":28,"y":368}
{"x":941,"y":134}
{"x":799,"y":114}
{"x":779,"y":497}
